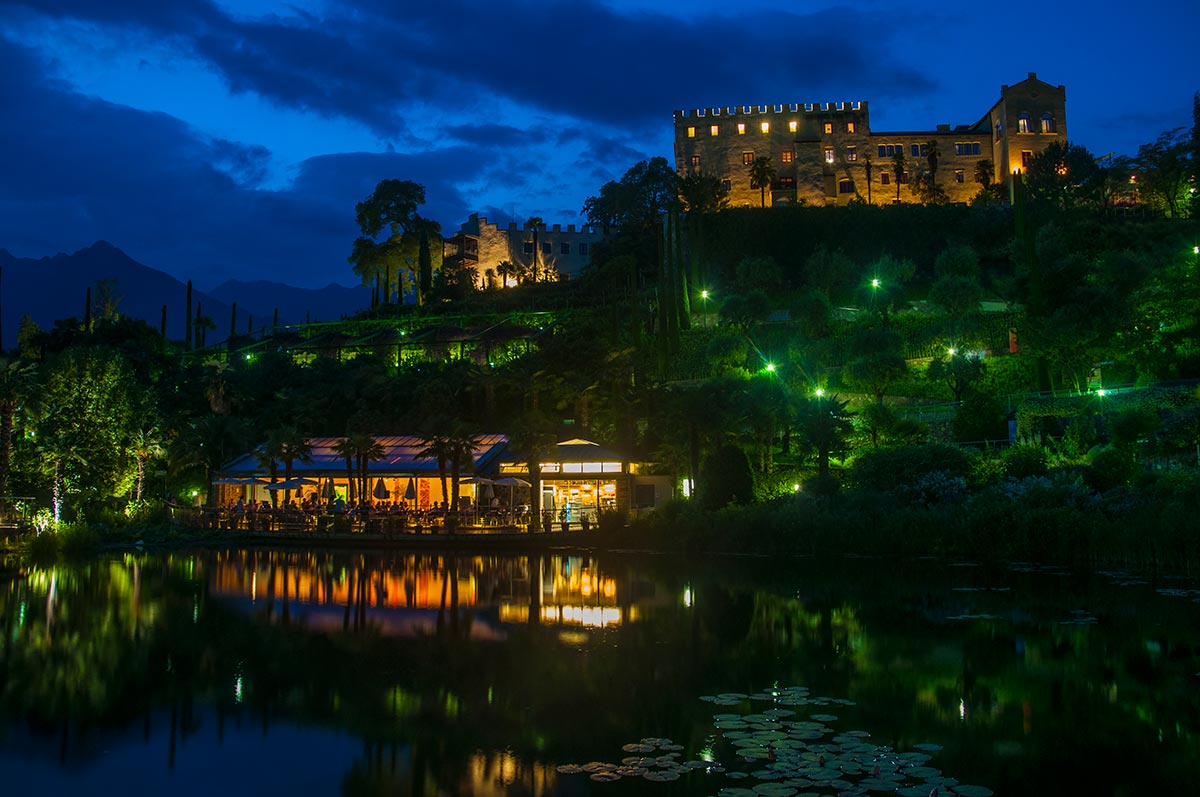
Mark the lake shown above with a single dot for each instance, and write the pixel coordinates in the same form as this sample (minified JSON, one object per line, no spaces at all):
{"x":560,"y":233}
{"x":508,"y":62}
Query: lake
{"x":297,"y":672}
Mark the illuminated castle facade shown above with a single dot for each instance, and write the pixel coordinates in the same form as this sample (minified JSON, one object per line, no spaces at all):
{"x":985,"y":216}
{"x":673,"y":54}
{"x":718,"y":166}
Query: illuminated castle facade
{"x":827,"y":153}
{"x":482,"y":246}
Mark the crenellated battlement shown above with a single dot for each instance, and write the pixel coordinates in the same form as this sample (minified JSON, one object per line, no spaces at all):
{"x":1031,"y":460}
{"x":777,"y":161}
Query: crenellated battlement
{"x":762,"y":110}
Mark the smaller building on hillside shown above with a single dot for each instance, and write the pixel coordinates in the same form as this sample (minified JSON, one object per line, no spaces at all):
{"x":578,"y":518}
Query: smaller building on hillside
{"x":483,"y":247}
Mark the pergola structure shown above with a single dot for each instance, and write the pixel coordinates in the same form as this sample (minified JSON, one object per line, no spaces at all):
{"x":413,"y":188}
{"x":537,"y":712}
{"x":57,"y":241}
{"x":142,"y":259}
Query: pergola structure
{"x":401,"y":475}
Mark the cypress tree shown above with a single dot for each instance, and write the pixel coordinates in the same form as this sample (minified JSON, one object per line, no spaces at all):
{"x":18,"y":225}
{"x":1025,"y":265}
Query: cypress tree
{"x":424,"y":267}
{"x":233,"y":321}
{"x":187,"y":319}
{"x":87,"y":311}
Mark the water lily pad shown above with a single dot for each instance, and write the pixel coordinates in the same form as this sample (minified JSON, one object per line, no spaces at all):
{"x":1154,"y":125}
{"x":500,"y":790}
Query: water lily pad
{"x":604,"y":777}
{"x":973,"y":791}
{"x":661,"y":777}
{"x":569,"y":769}
{"x":736,"y":791}
{"x":823,"y":717}
{"x":631,"y":772}
{"x":598,"y":766}
{"x":923,"y":773}
{"x":697,"y":764}
{"x":774,"y":790}
{"x":637,"y":747}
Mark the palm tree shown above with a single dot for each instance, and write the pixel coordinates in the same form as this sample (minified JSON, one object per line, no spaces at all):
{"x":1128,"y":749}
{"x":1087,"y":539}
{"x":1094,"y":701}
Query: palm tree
{"x":437,"y":447}
{"x":824,"y":424}
{"x":898,"y":169}
{"x":292,"y":447}
{"x":506,"y":269}
{"x":460,"y":449}
{"x":16,"y":384}
{"x":762,"y":174}
{"x":532,"y":436}
{"x":931,"y":156}
{"x":208,"y":442}
{"x":145,"y":445}
{"x":366,"y":450}
{"x":346,"y":447}
{"x":536,"y":223}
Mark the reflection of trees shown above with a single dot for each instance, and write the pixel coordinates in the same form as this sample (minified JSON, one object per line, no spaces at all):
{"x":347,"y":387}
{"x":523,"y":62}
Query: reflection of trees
{"x":118,"y":643}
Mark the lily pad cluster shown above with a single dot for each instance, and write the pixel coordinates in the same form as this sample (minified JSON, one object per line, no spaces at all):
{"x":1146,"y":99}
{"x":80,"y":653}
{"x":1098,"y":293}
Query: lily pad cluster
{"x":780,"y":752}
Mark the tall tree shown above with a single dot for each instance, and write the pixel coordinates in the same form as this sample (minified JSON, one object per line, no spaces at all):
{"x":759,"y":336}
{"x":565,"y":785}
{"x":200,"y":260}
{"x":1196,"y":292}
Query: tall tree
{"x":762,"y":174}
{"x":17,"y":382}
{"x":145,"y":444}
{"x":898,"y":168}
{"x":1164,"y":171}
{"x":390,"y":211}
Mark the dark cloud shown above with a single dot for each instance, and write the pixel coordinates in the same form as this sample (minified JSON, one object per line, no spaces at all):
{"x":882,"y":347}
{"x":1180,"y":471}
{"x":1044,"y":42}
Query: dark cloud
{"x":77,"y":169}
{"x":365,"y":61}
{"x":494,"y":135}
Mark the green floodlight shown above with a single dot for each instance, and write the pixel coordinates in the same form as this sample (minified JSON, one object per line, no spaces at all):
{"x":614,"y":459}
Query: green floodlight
{"x":819,"y":392}
{"x":1100,"y":392}
{"x":952,"y":351}
{"x":875,"y":283}
{"x":703,"y":294}
{"x":770,"y":368}
{"x":1196,"y":250}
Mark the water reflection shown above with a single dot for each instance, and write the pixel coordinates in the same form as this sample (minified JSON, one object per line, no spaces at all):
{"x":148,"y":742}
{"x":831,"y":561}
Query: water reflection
{"x":440,"y":674}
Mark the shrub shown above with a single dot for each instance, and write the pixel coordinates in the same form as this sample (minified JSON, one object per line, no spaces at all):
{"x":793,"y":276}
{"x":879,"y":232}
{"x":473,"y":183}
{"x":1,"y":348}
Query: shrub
{"x":889,"y":468}
{"x":726,"y":478}
{"x":1022,"y":461}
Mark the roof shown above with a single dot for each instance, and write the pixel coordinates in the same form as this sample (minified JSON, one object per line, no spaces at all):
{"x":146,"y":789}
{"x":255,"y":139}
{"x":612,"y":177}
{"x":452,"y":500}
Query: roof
{"x":579,"y":450}
{"x":400,"y":456}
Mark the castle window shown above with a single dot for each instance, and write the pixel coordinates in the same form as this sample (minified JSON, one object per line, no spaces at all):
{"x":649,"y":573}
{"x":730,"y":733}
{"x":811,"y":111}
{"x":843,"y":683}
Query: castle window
{"x":691,"y":132}
{"x":766,"y":127}
{"x":792,"y":126}
{"x":1048,"y":125}
{"x":882,"y":151}
{"x":695,"y":161}
{"x":885,"y":178}
{"x":849,"y":127}
{"x":918,"y":150}
{"x":786,"y":183}
{"x":829,"y":154}
{"x":846,"y":187}
{"x":747,"y":158}
{"x":828,"y":128}
{"x":958,"y":176}
{"x":713,"y":130}
{"x":564,"y":248}
{"x":1026,"y":158}
{"x":785,"y":156}
{"x":583,"y":249}
{"x":1023,"y":124}
{"x":726,"y":185}
{"x":970,"y":148}
{"x":999,"y":130}
{"x":851,"y":153}
{"x":741,"y":128}
{"x":904,"y":178}
{"x":547,"y":248}
{"x":529,"y":247}
{"x":889,"y":150}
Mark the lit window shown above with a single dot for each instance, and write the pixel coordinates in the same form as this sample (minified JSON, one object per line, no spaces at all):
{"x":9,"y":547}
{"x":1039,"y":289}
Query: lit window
{"x":712,"y":131}
{"x":747,"y":158}
{"x":828,"y":128}
{"x":885,"y":178}
{"x":846,"y":187}
{"x":1026,"y":158}
{"x":849,"y":127}
{"x":829,"y":154}
{"x":691,"y":132}
{"x":1048,"y":125}
{"x":583,"y":249}
{"x":1023,"y":124}
{"x":695,"y":161}
{"x":766,"y":127}
{"x":785,"y":156}
{"x":958,"y":176}
{"x":851,"y":154}
{"x":564,"y":249}
{"x":741,"y":128}
{"x":792,"y":125}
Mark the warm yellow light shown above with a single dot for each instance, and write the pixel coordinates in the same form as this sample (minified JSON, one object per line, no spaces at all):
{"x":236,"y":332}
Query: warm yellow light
{"x":691,"y":132}
{"x":741,"y":128}
{"x":712,"y":131}
{"x":792,"y":125}
{"x":766,"y":127}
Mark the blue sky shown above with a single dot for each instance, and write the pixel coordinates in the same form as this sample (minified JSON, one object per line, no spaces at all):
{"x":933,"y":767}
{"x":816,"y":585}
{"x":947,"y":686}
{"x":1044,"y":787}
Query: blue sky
{"x":218,"y":139}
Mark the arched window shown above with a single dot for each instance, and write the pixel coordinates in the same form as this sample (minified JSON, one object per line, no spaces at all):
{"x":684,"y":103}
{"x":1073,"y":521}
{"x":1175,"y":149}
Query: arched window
{"x":1048,"y":125}
{"x":846,"y":187}
{"x":1023,"y":124}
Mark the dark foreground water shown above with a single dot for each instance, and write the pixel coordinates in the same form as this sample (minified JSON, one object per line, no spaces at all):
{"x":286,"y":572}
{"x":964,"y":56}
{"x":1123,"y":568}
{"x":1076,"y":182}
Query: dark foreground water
{"x":263,"y":673}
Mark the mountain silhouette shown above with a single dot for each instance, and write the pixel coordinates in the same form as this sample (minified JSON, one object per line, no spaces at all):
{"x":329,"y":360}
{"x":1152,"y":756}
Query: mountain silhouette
{"x":50,"y":289}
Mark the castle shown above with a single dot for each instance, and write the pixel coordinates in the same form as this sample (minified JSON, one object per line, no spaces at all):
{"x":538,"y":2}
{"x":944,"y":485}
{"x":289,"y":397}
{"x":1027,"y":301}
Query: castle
{"x":827,"y":154}
{"x":482,"y":246}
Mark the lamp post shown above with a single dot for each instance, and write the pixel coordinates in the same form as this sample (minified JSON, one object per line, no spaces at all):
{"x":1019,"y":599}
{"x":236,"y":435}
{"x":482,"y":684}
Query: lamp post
{"x":704,"y":305}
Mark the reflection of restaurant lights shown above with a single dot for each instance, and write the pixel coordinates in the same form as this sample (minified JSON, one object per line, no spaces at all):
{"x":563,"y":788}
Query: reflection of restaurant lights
{"x":687,"y":597}
{"x":592,"y":616}
{"x":962,"y":710}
